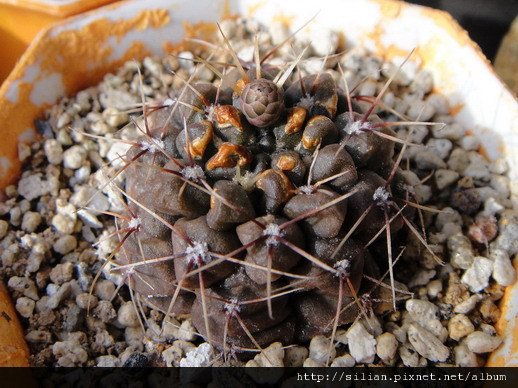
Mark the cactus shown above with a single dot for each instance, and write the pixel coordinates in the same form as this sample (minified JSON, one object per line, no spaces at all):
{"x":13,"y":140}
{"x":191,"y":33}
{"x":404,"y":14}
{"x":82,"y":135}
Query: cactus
{"x":265,"y":207}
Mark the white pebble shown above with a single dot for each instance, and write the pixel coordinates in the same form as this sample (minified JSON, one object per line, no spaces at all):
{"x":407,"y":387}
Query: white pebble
{"x":62,"y":273}
{"x":115,"y":118}
{"x":272,"y":356}
{"x":127,"y":316}
{"x":477,"y":275}
{"x":65,"y":244}
{"x":186,"y":332}
{"x":53,"y":151}
{"x":362,"y":344}
{"x":427,"y":160}
{"x":426,"y":344}
{"x":319,"y":349}
{"x":199,"y":357}
{"x":503,"y":270}
{"x":460,"y":326}
{"x":468,"y":305}
{"x":445,"y":178}
{"x":25,"y":306}
{"x":324,"y":41}
{"x":386,"y":347}
{"x":310,"y":363}
{"x":452,"y":131}
{"x":33,"y":186}
{"x":74,"y":157}
{"x":30,"y":221}
{"x":464,"y":357}
{"x":441,"y":147}
{"x":344,"y":361}
{"x":420,"y":110}
{"x":480,"y":342}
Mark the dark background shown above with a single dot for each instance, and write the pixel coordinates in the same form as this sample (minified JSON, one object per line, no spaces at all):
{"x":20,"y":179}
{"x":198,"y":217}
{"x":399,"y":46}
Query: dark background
{"x":486,"y":21}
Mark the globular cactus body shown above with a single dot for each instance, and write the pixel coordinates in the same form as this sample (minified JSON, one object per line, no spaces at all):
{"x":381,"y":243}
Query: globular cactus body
{"x":252,"y":208}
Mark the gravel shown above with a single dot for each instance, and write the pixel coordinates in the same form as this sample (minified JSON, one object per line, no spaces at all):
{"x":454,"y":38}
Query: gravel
{"x":50,"y":221}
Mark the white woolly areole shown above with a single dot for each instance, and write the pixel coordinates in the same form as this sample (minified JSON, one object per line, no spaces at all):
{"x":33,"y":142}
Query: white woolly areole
{"x":209,"y":111}
{"x":193,"y":173}
{"x":196,"y":252}
{"x":343,"y":267}
{"x":381,"y":195}
{"x":307,"y":101}
{"x":356,"y":127}
{"x":153,"y":145}
{"x":134,"y":223}
{"x":168,"y":102}
{"x":232,"y":307}
{"x":272,"y":231}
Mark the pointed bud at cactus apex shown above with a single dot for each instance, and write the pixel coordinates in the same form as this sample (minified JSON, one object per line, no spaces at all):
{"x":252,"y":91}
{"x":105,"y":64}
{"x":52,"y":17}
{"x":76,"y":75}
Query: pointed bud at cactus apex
{"x":262,"y":102}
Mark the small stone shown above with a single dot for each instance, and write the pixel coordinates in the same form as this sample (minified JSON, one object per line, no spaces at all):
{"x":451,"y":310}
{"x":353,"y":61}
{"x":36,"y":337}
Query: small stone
{"x":199,"y":357}
{"x":4,"y":227}
{"x":477,"y":275}
{"x":460,"y":326}
{"x":62,"y":273}
{"x":33,"y":186}
{"x":434,"y":288}
{"x":445,"y":178}
{"x":441,"y":147}
{"x":464,"y":357}
{"x":70,"y":352}
{"x":477,"y":168}
{"x":127,"y":316}
{"x":468,"y":305}
{"x":310,"y":363}
{"x":63,"y":224}
{"x":53,"y":151}
{"x":480,"y":342}
{"x":320,"y":349}
{"x":503,"y":270}
{"x":362,"y":344}
{"x":426,"y":344}
{"x":86,"y":301}
{"x":24,"y":286}
{"x":74,"y":157}
{"x":386,"y":347}
{"x":100,"y":127}
{"x":136,"y":360}
{"x":105,"y":311}
{"x":489,"y":311}
{"x":186,"y":332}
{"x":427,"y":160}
{"x":421,"y":278}
{"x":58,"y":295}
{"x":294,"y":356}
{"x":344,"y":361}
{"x":104,"y":289}
{"x":452,"y":131}
{"x":272,"y":356}
{"x":38,"y":337}
{"x":65,"y":244}
{"x":408,"y":355}
{"x":25,"y":306}
{"x":30,"y":221}
{"x":108,"y":361}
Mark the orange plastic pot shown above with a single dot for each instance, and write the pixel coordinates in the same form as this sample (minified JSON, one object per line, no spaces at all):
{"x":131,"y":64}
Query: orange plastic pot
{"x":21,"y":20}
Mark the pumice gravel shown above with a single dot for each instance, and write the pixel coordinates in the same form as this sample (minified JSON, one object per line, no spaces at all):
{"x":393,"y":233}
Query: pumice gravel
{"x":268,"y":201}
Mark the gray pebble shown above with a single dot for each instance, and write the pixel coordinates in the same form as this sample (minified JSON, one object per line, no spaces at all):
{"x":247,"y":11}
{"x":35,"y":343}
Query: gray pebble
{"x":127,"y":316}
{"x":4,"y":227}
{"x":23,"y":285}
{"x":86,"y":300}
{"x":62,"y":273}
{"x":386,"y":347}
{"x":464,"y":357}
{"x":445,"y":178}
{"x":362,"y":344}
{"x":441,"y":147}
{"x":104,"y":311}
{"x":30,"y":221}
{"x":104,"y":289}
{"x":427,"y":160}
